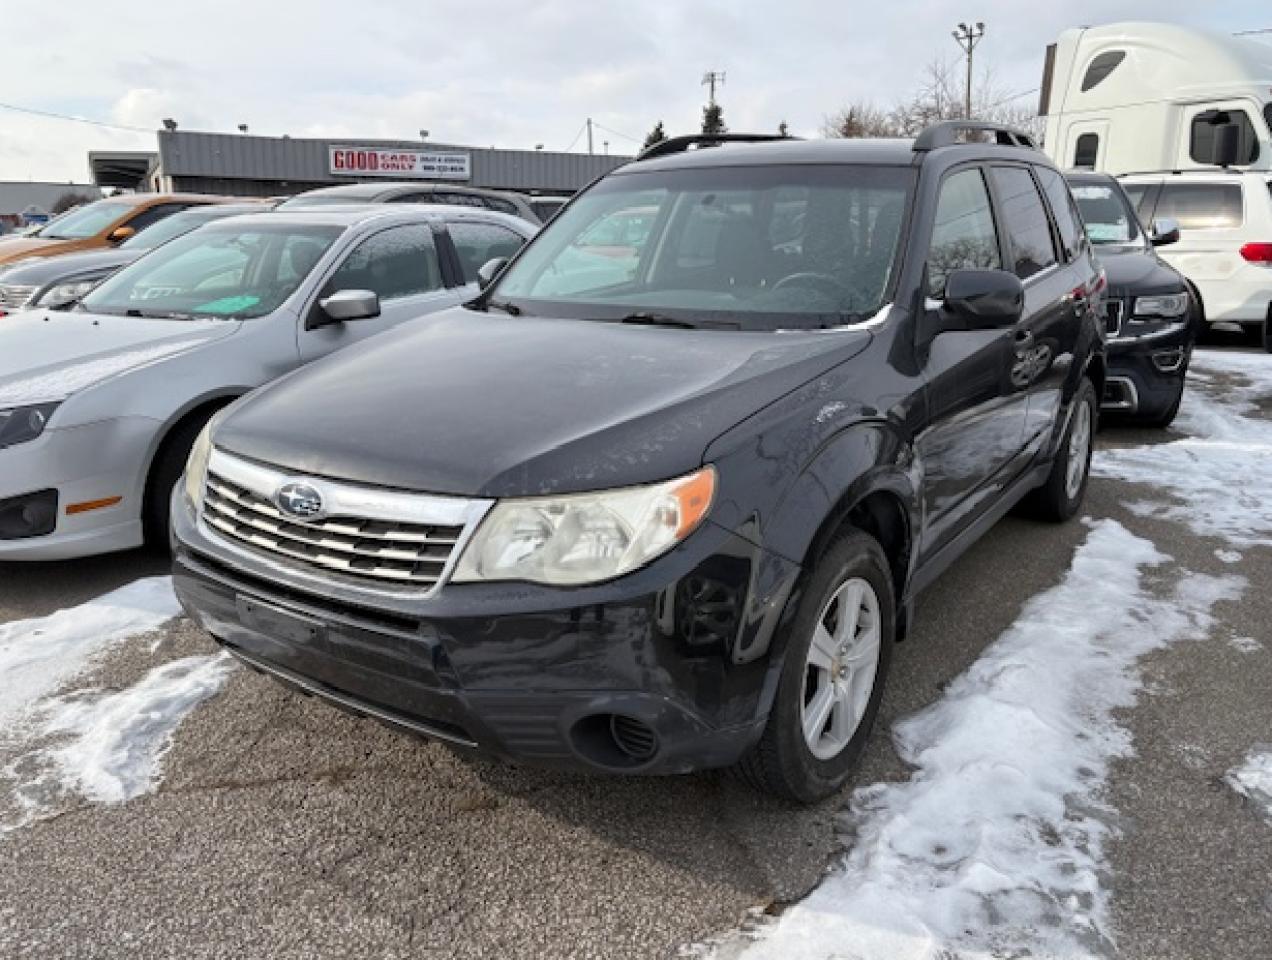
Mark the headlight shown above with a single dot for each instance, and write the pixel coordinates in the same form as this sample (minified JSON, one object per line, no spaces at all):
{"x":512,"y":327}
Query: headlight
{"x":64,"y":293}
{"x":20,"y":424}
{"x":196,"y":471}
{"x":1168,"y":305}
{"x":586,"y":537}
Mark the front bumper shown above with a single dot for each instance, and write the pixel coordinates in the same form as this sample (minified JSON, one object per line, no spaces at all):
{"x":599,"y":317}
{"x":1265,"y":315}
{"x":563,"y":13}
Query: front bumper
{"x":666,"y":670}
{"x":102,"y":462}
{"x":1145,"y":372}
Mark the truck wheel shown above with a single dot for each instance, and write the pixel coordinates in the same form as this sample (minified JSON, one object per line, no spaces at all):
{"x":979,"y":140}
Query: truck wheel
{"x":835,"y":664}
{"x":1059,"y":498}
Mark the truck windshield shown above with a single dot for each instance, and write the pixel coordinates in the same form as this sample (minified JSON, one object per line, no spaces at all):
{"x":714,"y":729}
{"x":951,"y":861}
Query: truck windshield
{"x":746,"y":247}
{"x":221,"y":270}
{"x":1107,"y":214}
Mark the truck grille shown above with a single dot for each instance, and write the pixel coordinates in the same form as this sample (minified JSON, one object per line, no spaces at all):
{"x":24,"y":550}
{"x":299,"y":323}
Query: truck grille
{"x":15,"y":297}
{"x":1113,"y":317}
{"x":366,"y":549}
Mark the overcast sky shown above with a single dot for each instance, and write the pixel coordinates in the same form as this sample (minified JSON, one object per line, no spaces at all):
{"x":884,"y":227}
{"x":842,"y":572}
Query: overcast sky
{"x":496,"y":72}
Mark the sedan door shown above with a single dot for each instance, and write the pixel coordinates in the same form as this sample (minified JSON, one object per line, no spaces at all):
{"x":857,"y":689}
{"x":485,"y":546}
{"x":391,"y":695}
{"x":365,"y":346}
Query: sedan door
{"x":400,"y":264}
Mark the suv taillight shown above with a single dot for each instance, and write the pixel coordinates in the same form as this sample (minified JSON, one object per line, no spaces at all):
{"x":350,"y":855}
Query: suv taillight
{"x":1257,"y":252}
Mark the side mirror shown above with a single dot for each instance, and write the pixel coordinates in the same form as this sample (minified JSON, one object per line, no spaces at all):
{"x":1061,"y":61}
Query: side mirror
{"x":350,"y":305}
{"x":120,"y":234}
{"x":1165,"y":232}
{"x":1223,"y":148}
{"x":489,"y":270}
{"x":982,"y":300}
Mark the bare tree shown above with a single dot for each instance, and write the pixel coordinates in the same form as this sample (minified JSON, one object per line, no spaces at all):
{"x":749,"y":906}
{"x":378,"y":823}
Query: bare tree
{"x":68,"y":200}
{"x":859,"y":119}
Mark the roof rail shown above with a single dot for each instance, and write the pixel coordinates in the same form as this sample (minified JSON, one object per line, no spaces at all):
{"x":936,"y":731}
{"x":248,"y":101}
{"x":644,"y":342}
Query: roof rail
{"x":945,"y":134}
{"x":681,"y":144}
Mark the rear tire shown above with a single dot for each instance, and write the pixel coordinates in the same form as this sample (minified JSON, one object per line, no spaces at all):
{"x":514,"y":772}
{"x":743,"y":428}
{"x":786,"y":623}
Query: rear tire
{"x":165,"y":471}
{"x":1059,"y":498}
{"x":841,"y":671}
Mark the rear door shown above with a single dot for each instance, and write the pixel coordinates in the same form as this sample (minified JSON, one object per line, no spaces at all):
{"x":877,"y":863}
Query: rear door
{"x":400,"y":264}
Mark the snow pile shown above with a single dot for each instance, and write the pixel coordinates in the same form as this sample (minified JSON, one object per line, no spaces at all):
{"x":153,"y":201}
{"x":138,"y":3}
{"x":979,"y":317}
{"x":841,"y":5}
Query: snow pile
{"x":1220,"y":474}
{"x":1253,"y":779}
{"x":109,"y":746}
{"x":994,"y":845}
{"x":38,"y":656}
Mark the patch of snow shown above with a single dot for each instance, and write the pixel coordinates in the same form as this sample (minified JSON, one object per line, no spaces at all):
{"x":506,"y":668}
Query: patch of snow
{"x":830,"y":410}
{"x":994,"y":845}
{"x":1228,"y":556}
{"x":1253,"y":780}
{"x":1245,"y":644}
{"x":39,"y":655}
{"x":1219,"y":474}
{"x":108,"y":747}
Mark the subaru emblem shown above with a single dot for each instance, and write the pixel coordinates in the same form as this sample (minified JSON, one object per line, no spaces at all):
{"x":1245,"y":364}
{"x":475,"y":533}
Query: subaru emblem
{"x":299,"y":499}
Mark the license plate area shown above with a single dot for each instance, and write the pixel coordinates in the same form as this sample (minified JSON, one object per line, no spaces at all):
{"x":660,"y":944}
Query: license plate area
{"x":278,"y":623}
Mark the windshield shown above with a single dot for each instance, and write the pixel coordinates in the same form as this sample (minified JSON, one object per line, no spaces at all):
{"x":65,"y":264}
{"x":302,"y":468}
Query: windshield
{"x":165,"y":230}
{"x":87,"y":221}
{"x":1107,"y":213}
{"x":221,"y":270}
{"x":740,"y":247}
{"x":320,"y":200}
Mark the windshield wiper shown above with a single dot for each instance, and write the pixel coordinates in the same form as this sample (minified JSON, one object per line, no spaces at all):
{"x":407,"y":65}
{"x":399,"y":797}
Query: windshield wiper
{"x":656,"y":320}
{"x":158,"y":314}
{"x":509,"y":308}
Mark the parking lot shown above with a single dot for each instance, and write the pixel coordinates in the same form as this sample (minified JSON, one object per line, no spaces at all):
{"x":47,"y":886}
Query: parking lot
{"x":276,"y":826}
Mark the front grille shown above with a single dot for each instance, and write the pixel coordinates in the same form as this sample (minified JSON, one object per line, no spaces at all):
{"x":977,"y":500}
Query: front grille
{"x":368,"y":549}
{"x":1113,"y":310}
{"x":15,"y":297}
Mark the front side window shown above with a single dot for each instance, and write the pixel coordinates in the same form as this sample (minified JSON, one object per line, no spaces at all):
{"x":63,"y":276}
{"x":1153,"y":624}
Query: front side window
{"x":963,"y":235}
{"x":1201,"y":206}
{"x":743,"y":247}
{"x":478,"y":243}
{"x":1108,"y":217}
{"x":88,"y":221}
{"x":222,"y":270}
{"x":394,"y":263}
{"x":1062,"y":210}
{"x":1025,"y":221}
{"x":1086,"y":151}
{"x":152,"y":215}
{"x":1201,"y":139}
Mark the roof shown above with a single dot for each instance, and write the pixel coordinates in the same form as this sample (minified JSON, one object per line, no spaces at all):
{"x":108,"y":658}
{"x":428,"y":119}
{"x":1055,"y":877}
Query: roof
{"x":1088,"y":176}
{"x":352,"y":214}
{"x":389,"y":187}
{"x":121,"y":168}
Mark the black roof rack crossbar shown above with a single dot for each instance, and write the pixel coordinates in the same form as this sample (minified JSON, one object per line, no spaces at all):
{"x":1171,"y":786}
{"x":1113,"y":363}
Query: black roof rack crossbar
{"x":946,"y":133}
{"x":681,"y":144}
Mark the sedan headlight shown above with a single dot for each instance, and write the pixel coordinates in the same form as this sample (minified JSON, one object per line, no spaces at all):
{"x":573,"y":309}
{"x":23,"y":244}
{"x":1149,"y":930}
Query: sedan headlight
{"x":586,"y":537}
{"x":1167,"y":305}
{"x":20,"y":424}
{"x":64,"y":293}
{"x":196,"y":471}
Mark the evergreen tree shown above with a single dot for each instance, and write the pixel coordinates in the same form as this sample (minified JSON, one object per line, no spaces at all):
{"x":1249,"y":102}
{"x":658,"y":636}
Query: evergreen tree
{"x":713,"y":119}
{"x":783,"y":130}
{"x":656,"y":135}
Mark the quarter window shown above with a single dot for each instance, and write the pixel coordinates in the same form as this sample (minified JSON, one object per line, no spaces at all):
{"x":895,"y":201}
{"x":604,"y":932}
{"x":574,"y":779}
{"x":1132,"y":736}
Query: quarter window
{"x":963,"y":237}
{"x":397,"y":262}
{"x":476,"y":243}
{"x":1025,"y":221}
{"x":1201,"y":138}
{"x":1086,"y":151}
{"x":1201,"y":206}
{"x":1062,"y":210}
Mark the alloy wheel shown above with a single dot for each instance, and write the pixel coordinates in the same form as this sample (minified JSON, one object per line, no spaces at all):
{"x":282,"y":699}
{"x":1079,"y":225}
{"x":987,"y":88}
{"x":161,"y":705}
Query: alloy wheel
{"x":1079,"y":450}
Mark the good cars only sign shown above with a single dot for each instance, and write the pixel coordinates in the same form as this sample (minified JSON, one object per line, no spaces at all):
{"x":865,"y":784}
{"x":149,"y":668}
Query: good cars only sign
{"x":398,"y":164}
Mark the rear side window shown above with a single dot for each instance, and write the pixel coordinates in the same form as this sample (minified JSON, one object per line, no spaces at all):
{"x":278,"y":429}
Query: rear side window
{"x":1086,"y":151}
{"x":476,"y":243}
{"x":397,"y":262}
{"x":963,"y":236}
{"x":1062,"y":210}
{"x":1201,"y":206}
{"x":1025,"y":221}
{"x":1101,"y":67}
{"x":1201,"y":137}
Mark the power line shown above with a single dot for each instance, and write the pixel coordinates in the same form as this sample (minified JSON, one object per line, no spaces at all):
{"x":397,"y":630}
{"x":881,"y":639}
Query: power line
{"x":616,"y":133}
{"x":576,"y":137}
{"x":1014,"y":96}
{"x":62,"y":116}
{"x":1247,"y":33}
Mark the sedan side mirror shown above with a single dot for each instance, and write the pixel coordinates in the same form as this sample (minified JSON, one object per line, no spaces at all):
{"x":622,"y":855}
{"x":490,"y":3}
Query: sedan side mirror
{"x":1165,"y":232}
{"x":346,"y":305}
{"x":982,"y":300}
{"x":120,"y":234}
{"x":489,"y":270}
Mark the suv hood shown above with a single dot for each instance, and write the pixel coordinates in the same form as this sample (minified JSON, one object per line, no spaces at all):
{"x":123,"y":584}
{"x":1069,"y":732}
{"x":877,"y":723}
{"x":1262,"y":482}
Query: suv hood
{"x":480,"y":405}
{"x":1137,"y":272}
{"x":14,"y":248}
{"x":49,"y":356}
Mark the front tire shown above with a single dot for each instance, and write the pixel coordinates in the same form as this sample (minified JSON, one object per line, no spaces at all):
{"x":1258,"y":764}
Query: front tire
{"x":835,"y":664}
{"x":1059,"y":498}
{"x":165,"y":471}
{"x":1267,"y":333}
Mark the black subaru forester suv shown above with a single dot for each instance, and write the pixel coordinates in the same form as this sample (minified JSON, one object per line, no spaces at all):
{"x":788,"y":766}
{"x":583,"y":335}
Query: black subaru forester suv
{"x":662,"y":497}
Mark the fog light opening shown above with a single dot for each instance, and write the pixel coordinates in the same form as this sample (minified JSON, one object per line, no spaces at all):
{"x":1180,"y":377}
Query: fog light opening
{"x":615,"y":741}
{"x":30,"y":515}
{"x":1169,"y":361}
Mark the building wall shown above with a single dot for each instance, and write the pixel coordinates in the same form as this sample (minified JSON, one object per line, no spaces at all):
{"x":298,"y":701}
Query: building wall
{"x":264,"y":166}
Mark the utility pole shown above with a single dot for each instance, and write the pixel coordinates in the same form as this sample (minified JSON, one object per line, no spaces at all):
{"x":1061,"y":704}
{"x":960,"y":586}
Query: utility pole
{"x":710,"y":79}
{"x":589,"y":136}
{"x":967,"y":38}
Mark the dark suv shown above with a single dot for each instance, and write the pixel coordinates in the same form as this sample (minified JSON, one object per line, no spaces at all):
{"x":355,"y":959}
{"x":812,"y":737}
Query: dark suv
{"x":665,"y":502}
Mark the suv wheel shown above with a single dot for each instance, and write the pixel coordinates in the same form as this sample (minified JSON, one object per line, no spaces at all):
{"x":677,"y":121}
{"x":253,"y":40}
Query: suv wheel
{"x":834,"y":668}
{"x":1059,"y":498}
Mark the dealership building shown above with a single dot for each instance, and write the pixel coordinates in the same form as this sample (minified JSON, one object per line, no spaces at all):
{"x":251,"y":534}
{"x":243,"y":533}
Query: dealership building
{"x":244,"y":165}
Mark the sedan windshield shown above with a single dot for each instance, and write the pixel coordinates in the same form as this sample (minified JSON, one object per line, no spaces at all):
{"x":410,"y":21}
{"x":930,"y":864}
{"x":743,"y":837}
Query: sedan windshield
{"x":165,"y":230}
{"x":1107,"y":213}
{"x":87,"y":221}
{"x":221,"y":270}
{"x":745,"y":247}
